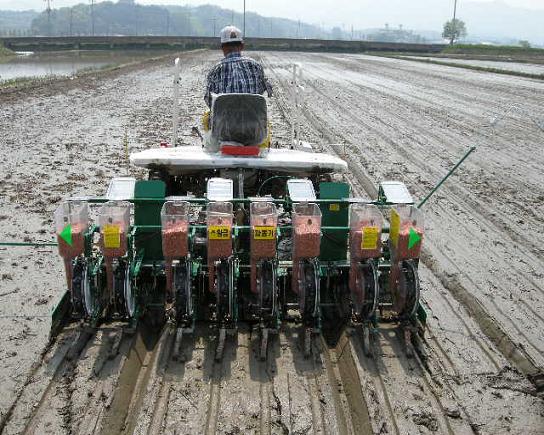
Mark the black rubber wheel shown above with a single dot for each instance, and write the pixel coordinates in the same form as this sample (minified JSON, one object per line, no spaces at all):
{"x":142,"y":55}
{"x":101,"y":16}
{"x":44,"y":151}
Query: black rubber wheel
{"x":409,"y":286}
{"x":77,"y":296}
{"x":222,"y":290}
{"x":267,"y":288}
{"x":182,"y":288}
{"x":310,"y":290}
{"x":368,"y":276}
{"x":85,"y":291}
{"x":125,"y":297}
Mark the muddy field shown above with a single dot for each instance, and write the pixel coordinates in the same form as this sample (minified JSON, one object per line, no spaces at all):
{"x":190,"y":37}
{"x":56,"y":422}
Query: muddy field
{"x":482,"y":277}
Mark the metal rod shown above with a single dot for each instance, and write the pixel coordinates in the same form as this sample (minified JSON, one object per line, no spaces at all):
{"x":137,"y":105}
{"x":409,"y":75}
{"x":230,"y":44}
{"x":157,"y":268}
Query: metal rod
{"x":49,"y":17}
{"x":241,"y":227}
{"x":33,"y":244}
{"x":92,"y":17}
{"x":175,"y":114}
{"x":454,"y":25}
{"x":158,"y":227}
{"x":343,"y":201}
{"x":71,"y":21}
{"x":448,"y":175}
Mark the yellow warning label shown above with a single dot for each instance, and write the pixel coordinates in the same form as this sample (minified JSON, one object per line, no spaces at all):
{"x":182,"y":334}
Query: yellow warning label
{"x":370,"y":238}
{"x":112,"y":236}
{"x":395,"y":227}
{"x":218,"y":232}
{"x":334,"y":207}
{"x":264,"y":233}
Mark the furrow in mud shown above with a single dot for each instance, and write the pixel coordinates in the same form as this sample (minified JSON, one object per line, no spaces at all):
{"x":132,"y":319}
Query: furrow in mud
{"x":130,"y":389}
{"x":84,"y":386}
{"x":287,"y":393}
{"x":403,"y":387}
{"x":42,"y":384}
{"x":463,"y":362}
{"x":54,"y":409}
{"x":318,"y":124}
{"x":344,"y":379}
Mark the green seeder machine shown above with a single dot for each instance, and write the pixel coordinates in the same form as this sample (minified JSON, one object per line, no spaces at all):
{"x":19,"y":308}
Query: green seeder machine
{"x":327,"y":260}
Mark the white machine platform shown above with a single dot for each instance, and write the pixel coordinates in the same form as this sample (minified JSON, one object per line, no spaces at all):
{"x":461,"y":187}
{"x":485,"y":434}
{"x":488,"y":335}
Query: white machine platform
{"x":186,"y":159}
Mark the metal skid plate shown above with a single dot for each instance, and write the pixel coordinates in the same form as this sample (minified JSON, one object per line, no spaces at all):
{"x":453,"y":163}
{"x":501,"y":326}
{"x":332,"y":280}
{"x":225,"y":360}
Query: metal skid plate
{"x":395,"y":192}
{"x":220,"y":189}
{"x":301,"y":190}
{"x":121,"y":189}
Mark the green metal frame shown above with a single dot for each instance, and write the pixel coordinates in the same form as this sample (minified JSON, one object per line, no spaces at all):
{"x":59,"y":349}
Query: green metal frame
{"x":145,"y":245}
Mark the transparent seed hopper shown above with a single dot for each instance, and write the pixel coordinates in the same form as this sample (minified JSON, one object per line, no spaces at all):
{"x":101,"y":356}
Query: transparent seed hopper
{"x":406,"y":233}
{"x":114,"y":221}
{"x":264,"y":224}
{"x":175,"y":229}
{"x":306,"y":230}
{"x":71,"y":221}
{"x":219,"y":223}
{"x":366,"y":224}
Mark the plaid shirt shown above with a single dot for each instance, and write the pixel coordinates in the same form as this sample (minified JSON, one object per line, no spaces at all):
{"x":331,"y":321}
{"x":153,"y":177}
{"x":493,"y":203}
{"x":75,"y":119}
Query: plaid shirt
{"x":236,"y":74}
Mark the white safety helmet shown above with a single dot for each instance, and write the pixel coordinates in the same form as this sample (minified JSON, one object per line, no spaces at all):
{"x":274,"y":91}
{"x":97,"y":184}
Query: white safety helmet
{"x":231,"y":34}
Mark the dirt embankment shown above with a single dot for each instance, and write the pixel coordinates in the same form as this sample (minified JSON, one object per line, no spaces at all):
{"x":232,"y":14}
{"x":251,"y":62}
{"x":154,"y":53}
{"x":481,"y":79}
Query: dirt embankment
{"x":393,"y":119}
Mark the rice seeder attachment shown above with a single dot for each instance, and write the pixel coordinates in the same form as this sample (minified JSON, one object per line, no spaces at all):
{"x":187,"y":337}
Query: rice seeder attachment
{"x":237,"y":231}
{"x":317,"y":259}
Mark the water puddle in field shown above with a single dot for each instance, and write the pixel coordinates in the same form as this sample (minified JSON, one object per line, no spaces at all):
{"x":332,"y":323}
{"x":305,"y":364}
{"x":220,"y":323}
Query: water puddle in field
{"x":47,"y":64}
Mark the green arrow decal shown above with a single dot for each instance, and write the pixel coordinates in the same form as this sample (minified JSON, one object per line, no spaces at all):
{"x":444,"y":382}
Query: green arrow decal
{"x":66,"y":234}
{"x":414,"y":238}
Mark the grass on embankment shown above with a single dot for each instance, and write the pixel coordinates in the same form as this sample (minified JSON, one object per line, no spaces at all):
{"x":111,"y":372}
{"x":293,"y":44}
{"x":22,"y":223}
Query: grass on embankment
{"x":4,"y":52}
{"x":493,"y":50}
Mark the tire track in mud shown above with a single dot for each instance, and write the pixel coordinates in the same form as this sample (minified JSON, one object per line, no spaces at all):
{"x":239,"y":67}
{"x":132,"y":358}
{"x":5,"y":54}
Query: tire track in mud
{"x":382,"y":383}
{"x":59,"y":388}
{"x":266,"y":404}
{"x":508,"y":349}
{"x":469,"y":331}
{"x":51,"y":358}
{"x":512,"y":356}
{"x":349,"y":399}
{"x":56,"y":363}
{"x":284,"y":394}
{"x":94,"y":386}
{"x":413,"y":397}
{"x":141,"y":360}
{"x":214,"y":400}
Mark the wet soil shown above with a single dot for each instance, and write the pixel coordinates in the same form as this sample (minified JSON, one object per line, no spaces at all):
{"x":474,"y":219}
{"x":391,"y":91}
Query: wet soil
{"x":390,"y":119}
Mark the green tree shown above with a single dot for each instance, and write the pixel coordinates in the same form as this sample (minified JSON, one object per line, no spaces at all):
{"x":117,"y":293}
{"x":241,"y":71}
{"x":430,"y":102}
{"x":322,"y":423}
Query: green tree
{"x":454,"y":30}
{"x":524,"y":43}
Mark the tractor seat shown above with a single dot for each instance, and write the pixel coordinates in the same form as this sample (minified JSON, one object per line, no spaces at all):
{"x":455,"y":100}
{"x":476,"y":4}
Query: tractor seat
{"x":239,"y":120}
